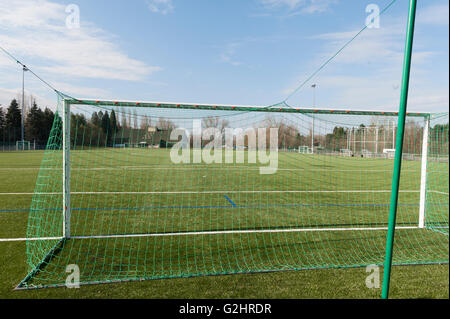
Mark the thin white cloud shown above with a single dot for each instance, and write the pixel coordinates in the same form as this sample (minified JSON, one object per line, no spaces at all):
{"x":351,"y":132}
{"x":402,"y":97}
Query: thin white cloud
{"x":160,"y":6}
{"x":376,"y":92}
{"x":367,"y":73}
{"x":35,"y":30}
{"x":434,"y":15}
{"x":88,"y":92}
{"x":291,"y":4}
{"x":377,"y":45}
{"x":7,"y":95}
{"x":227,"y":56}
{"x":384,"y":46}
{"x":299,"y":6}
{"x":436,"y":100}
{"x":229,"y":51}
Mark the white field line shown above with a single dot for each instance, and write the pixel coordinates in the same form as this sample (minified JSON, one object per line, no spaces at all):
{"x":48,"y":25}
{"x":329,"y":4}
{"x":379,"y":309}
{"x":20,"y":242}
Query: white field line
{"x":437,"y":192}
{"x":28,"y":239}
{"x":199,"y":167}
{"x":299,"y":230}
{"x":208,"y":192}
{"x":243,"y":232}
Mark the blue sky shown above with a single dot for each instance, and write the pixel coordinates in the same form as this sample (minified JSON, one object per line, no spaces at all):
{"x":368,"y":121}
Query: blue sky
{"x":251,"y":52}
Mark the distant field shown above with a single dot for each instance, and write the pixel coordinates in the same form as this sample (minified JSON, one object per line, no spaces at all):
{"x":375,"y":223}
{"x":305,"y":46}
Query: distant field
{"x":316,"y":212}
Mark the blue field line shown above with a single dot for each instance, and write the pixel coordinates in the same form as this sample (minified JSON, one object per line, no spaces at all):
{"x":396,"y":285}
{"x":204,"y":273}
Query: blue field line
{"x":219,"y":206}
{"x":231,"y":202}
{"x":114,"y":208}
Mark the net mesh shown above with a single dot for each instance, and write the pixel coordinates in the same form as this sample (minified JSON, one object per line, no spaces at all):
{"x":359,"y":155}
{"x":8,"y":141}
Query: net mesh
{"x":138,"y":211}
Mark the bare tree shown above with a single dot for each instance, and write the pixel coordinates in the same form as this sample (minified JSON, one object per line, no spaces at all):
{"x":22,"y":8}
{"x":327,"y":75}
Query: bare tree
{"x":288,"y":135}
{"x":216,"y":122}
{"x":145,"y":123}
{"x":165,"y":124}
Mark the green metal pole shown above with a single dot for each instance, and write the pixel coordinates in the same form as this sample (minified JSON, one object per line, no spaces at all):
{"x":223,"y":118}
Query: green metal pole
{"x":399,"y":148}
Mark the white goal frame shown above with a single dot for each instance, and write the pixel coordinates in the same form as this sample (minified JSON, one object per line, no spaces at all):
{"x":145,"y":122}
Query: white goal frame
{"x":66,"y":154}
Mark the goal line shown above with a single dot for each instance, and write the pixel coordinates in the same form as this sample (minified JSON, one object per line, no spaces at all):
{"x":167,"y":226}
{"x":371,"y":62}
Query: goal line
{"x":224,"y":232}
{"x":214,"y":192}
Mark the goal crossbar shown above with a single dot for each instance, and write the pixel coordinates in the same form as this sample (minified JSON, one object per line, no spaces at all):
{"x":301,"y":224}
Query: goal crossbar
{"x":238,"y":108}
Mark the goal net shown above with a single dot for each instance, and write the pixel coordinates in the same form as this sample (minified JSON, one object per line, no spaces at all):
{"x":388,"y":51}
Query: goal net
{"x":132,"y":191}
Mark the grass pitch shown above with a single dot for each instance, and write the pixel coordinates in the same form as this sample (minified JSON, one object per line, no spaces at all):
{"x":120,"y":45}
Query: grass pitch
{"x":259,"y":208}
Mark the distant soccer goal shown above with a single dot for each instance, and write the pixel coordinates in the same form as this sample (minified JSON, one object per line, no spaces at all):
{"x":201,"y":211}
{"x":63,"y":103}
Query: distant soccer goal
{"x":389,"y":153}
{"x":216,"y":190}
{"x":346,"y":152}
{"x":305,"y":150}
{"x":24,"y":146}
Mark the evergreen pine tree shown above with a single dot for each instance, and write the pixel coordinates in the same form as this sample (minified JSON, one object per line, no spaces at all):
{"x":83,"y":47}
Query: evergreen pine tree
{"x":13,"y":121}
{"x":48,"y":119}
{"x":95,"y":119}
{"x":2,"y":125}
{"x":34,"y":125}
{"x":114,"y":125}
{"x":106,"y":123}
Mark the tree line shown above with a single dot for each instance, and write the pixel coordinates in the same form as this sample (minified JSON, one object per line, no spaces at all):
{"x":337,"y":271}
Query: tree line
{"x":37,"y":124}
{"x":109,"y":128}
{"x":105,"y":128}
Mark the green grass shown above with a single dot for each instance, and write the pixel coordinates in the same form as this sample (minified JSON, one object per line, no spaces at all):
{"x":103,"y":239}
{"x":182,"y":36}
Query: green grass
{"x":407,"y":282}
{"x":225,"y":253}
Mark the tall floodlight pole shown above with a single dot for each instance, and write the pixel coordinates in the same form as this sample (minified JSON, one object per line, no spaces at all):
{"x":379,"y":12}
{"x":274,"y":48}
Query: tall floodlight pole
{"x":376,"y":139}
{"x":24,"y":69}
{"x":354,"y":140}
{"x":364,"y":138}
{"x":314,"y":86}
{"x":393,"y":134}
{"x":312,"y":129}
{"x":399,"y":147}
{"x":349,"y":140}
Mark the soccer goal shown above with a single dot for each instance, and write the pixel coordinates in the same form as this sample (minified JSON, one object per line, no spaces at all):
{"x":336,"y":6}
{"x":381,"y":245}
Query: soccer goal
{"x":24,"y":146}
{"x":346,"y":152}
{"x":305,"y":150}
{"x":217,"y":191}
